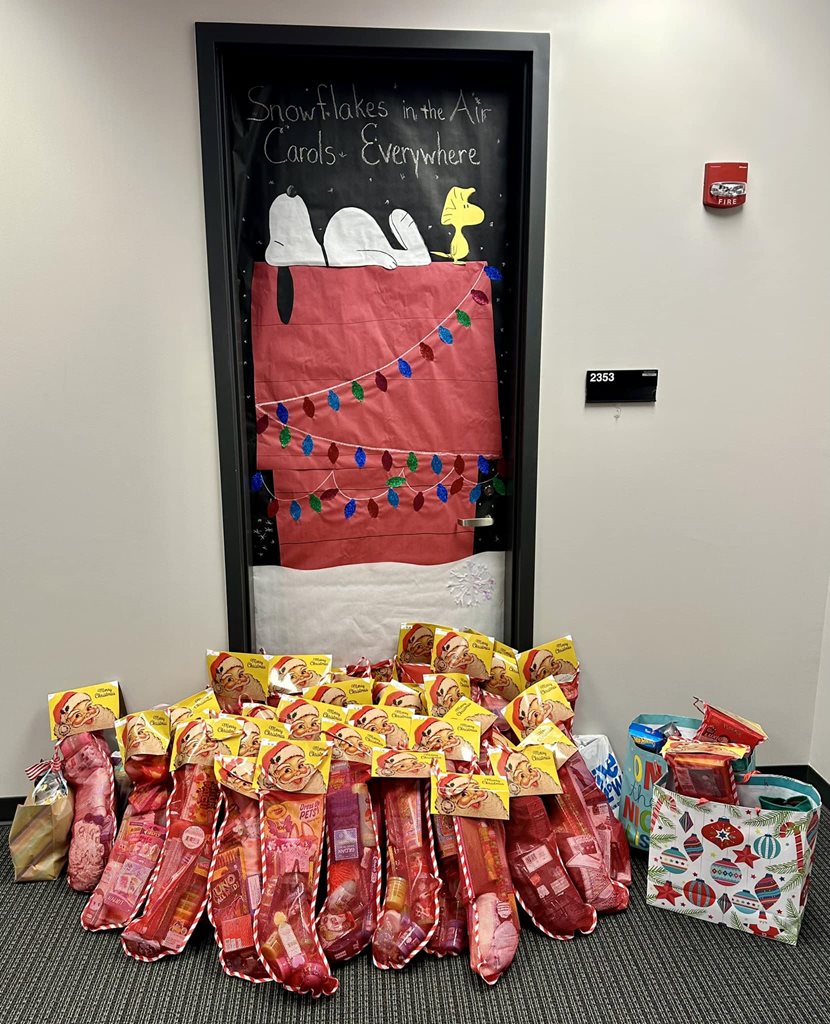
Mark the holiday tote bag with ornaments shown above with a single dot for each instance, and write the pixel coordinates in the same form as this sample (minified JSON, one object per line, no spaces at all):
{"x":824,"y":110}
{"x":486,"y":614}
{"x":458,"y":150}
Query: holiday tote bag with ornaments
{"x":743,"y":866}
{"x":643,"y":768}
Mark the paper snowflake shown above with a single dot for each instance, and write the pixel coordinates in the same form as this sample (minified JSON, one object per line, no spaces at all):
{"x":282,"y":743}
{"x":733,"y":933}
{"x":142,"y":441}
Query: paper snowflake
{"x":471,"y":585}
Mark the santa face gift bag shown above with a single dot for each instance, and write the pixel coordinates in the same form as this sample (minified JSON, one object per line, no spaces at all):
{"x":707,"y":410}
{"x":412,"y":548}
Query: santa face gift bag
{"x":78,"y":719}
{"x":746,"y":866}
{"x":353,"y":878}
{"x":292,"y":778}
{"x":178,"y":892}
{"x":143,"y":739}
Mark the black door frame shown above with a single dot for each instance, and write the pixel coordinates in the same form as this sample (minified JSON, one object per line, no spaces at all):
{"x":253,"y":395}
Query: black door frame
{"x":530,"y":52}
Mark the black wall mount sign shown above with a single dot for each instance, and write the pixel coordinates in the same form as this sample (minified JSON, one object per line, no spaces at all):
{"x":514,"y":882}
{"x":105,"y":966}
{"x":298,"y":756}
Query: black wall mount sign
{"x":616,"y":387}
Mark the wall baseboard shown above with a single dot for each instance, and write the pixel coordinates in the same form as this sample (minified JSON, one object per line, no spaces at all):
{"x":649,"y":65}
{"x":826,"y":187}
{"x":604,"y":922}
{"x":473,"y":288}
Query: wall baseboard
{"x":7,"y":807}
{"x":802,"y":772}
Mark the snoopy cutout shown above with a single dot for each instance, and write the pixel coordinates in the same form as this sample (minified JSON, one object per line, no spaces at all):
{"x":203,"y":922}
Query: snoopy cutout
{"x":353,"y":238}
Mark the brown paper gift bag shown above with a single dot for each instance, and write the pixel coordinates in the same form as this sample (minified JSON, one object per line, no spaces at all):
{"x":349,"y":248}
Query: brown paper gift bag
{"x":39,"y":839}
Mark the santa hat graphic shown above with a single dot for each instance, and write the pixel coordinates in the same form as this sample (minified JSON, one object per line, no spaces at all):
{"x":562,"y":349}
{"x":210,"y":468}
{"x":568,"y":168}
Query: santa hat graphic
{"x":442,"y":643}
{"x":217,"y":663}
{"x":532,"y":663}
{"x":410,"y":634}
{"x":61,"y":705}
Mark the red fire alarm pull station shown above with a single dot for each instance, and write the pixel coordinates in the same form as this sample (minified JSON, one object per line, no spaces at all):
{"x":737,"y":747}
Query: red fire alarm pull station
{"x":724,"y":185}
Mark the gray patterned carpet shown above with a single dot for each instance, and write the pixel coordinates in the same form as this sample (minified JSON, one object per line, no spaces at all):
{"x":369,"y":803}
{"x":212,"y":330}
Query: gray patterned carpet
{"x":641,"y":966}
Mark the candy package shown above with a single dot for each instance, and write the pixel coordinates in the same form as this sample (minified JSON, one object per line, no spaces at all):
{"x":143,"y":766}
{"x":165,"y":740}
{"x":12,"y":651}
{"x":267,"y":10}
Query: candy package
{"x":178,"y":892}
{"x":410,"y":908}
{"x":704,"y":770}
{"x":353,"y":880}
{"x":450,"y":935}
{"x":292,"y":776}
{"x":721,"y":726}
{"x":543,"y":886}
{"x":584,"y":861}
{"x":578,"y":782}
{"x":143,"y":739}
{"x":234,"y":882}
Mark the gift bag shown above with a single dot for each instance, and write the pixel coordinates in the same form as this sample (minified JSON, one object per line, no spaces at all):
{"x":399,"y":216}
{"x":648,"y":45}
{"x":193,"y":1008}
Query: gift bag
{"x":39,"y":837}
{"x":602,"y":761}
{"x":641,"y":770}
{"x":746,"y":866}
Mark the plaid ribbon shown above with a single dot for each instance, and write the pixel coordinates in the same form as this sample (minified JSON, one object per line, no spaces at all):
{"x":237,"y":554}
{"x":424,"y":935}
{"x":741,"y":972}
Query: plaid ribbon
{"x":39,"y":768}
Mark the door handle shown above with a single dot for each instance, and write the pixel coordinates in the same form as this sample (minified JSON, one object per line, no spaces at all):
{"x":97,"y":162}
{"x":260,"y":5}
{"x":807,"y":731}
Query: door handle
{"x":481,"y":521}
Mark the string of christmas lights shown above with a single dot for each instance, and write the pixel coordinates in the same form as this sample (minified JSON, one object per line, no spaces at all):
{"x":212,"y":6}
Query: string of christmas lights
{"x":398,"y":475}
{"x":399,"y":363}
{"x":315,"y":501}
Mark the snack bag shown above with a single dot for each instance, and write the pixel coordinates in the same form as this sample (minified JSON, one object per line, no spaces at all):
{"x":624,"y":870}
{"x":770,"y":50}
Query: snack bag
{"x":234,"y":880}
{"x":450,"y":935}
{"x":471,"y":653}
{"x":543,"y":886}
{"x":556,"y":660}
{"x":290,"y":674}
{"x":441,"y":692}
{"x":237,"y":678}
{"x":505,"y":680}
{"x":77,"y":718}
{"x":143,"y":739}
{"x":415,"y":642}
{"x":340,"y":692}
{"x":353,"y":883}
{"x":39,"y":836}
{"x":539,"y":703}
{"x":292,"y":776}
{"x":398,"y":695}
{"x":178,"y":891}
{"x":198,"y":705}
{"x":410,"y":908}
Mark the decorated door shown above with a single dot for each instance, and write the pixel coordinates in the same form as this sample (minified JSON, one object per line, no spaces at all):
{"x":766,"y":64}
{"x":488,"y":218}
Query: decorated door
{"x":376,"y":247}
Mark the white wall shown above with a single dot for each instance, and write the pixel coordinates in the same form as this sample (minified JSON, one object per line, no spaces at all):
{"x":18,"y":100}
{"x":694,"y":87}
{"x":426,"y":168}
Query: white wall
{"x":820,"y":751}
{"x":683,"y":545}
